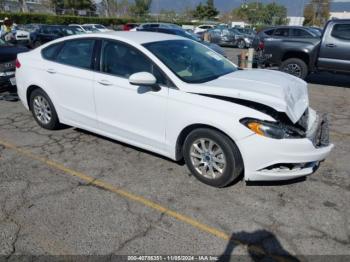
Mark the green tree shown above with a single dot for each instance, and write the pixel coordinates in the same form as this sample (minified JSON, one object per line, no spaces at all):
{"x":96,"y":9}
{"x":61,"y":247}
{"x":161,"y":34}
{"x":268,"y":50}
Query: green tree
{"x":274,"y":14}
{"x":57,"y":5}
{"x":207,"y":11}
{"x":141,"y":7}
{"x":110,"y":7}
{"x":317,"y":12}
{"x":123,"y":7}
{"x":261,"y":14}
{"x":79,"y":4}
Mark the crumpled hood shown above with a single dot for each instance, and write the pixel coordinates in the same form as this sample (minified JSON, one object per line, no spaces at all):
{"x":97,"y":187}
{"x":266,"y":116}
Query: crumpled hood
{"x":280,"y":91}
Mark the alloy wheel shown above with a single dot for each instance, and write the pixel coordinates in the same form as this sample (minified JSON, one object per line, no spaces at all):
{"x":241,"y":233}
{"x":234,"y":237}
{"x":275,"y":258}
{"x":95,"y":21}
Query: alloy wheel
{"x":293,"y":69}
{"x":42,"y":110}
{"x":208,"y":158}
{"x":241,"y":44}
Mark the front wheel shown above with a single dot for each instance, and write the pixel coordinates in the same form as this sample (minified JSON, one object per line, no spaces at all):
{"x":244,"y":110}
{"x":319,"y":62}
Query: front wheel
{"x":212,"y":157}
{"x":295,"y":67}
{"x":241,"y":44}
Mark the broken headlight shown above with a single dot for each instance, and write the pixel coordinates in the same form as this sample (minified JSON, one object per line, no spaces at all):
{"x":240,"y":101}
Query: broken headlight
{"x":272,"y":129}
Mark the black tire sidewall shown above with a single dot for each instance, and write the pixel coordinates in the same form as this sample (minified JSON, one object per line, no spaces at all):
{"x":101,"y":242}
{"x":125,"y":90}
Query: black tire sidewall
{"x":299,"y":62}
{"x":234,"y":163}
{"x":54,"y":123}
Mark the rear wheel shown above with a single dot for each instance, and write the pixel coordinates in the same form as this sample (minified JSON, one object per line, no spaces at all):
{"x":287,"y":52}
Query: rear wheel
{"x":212,"y":157}
{"x":295,"y":67}
{"x":43,"y":110}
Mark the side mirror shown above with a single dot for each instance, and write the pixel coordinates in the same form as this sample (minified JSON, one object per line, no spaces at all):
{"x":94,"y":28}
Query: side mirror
{"x":144,"y":79}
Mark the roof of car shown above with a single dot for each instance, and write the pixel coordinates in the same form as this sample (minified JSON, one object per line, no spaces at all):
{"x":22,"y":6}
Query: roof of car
{"x":134,"y":37}
{"x":286,"y":26}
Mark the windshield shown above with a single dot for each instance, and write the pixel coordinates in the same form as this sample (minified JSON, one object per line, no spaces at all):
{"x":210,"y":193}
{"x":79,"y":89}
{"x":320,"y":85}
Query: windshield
{"x":76,"y":30}
{"x":89,"y":28}
{"x":315,"y":31}
{"x":100,"y":27}
{"x":190,"y":61}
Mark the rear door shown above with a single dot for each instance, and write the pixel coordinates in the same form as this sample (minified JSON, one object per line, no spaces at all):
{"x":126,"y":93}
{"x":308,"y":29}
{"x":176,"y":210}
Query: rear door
{"x":335,"y":46}
{"x":69,"y":70}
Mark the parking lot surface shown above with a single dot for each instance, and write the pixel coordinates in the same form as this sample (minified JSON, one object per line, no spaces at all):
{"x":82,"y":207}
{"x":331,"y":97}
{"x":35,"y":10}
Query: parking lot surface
{"x":70,"y":192}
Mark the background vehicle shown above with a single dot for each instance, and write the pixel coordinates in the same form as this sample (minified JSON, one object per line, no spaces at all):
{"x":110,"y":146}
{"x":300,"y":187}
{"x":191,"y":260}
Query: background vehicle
{"x":285,"y":33}
{"x":203,"y":28}
{"x":86,"y":29}
{"x":129,"y":26}
{"x":8,"y":54}
{"x":230,"y":37}
{"x":156,"y":25}
{"x":304,"y":53}
{"x":184,"y":33}
{"x":22,"y":36}
{"x":246,"y":31}
{"x":46,"y":33}
{"x":95,"y":27}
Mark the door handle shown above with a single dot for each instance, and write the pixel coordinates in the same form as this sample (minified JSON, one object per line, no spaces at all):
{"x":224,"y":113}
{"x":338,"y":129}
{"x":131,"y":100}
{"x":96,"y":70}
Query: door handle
{"x":330,"y":45}
{"x":51,"y":71}
{"x":105,"y":82}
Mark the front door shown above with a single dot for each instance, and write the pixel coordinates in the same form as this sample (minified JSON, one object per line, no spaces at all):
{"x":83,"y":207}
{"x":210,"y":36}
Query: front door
{"x":334,"y":52}
{"x":133,"y":114}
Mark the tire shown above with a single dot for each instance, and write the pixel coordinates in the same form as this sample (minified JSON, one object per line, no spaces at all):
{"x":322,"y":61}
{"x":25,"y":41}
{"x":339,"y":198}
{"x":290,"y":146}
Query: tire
{"x":229,"y":161}
{"x":241,"y":44}
{"x":43,"y":110}
{"x":296,"y":67}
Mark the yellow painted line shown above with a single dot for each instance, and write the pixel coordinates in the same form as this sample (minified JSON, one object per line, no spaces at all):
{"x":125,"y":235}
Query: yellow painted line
{"x":119,"y":191}
{"x":139,"y":199}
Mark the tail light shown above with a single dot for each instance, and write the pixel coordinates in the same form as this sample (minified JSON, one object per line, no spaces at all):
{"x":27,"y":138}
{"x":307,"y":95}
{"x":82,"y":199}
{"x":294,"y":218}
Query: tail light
{"x":261,"y":45}
{"x":18,"y":64}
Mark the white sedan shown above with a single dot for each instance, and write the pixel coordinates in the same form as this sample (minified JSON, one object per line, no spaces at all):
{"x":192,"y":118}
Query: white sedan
{"x":180,"y":99}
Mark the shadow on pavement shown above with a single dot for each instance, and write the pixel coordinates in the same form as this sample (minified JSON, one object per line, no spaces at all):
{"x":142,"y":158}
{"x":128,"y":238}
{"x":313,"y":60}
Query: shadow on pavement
{"x":261,"y":245}
{"x":330,"y":79}
{"x":276,"y":183}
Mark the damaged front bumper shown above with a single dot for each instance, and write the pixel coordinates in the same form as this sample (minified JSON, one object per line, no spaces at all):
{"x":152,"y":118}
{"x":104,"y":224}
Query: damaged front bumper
{"x":286,"y":159}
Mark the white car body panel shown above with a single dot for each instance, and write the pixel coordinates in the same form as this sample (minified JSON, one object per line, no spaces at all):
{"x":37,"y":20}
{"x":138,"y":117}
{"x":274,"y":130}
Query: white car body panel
{"x":111,"y":106}
{"x":272,"y":88}
{"x":199,"y":28}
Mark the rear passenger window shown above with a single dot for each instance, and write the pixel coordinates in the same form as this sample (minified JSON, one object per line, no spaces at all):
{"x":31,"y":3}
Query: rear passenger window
{"x":341,"y":31}
{"x":50,"y":52}
{"x":281,"y":32}
{"x":300,"y":33}
{"x":269,"y":32}
{"x":77,"y":53}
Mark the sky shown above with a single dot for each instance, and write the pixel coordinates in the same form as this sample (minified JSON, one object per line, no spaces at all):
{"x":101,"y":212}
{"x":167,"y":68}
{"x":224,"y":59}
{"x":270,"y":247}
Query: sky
{"x":294,"y":7}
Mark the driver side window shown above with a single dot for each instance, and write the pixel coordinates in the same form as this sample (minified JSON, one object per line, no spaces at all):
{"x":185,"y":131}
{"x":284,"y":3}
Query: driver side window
{"x":123,"y":60}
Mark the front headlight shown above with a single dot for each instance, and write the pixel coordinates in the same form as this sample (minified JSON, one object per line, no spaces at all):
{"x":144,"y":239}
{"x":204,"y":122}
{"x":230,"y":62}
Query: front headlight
{"x":271,"y":129}
{"x":247,"y":40}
